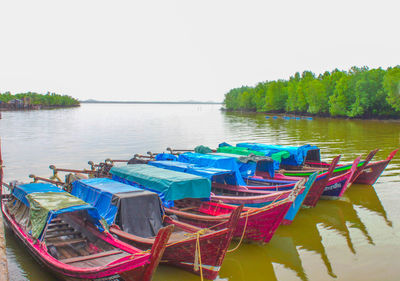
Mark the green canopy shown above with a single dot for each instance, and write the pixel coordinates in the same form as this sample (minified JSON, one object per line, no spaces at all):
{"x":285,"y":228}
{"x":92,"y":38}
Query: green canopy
{"x":245,"y":151}
{"x":170,"y":185}
{"x":280,"y":155}
{"x":43,"y":203}
{"x":238,"y":150}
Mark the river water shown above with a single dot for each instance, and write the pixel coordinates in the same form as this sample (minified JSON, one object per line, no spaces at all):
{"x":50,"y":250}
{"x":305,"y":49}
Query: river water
{"x":354,"y":238}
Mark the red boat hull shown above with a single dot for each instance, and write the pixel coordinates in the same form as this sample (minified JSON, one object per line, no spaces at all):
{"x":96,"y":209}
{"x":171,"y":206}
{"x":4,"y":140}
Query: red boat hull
{"x":129,"y":270}
{"x":372,"y":171}
{"x":182,"y":253}
{"x":254,"y":224}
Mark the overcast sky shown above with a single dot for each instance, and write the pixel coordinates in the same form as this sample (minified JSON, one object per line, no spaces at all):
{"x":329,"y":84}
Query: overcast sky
{"x":186,"y":50}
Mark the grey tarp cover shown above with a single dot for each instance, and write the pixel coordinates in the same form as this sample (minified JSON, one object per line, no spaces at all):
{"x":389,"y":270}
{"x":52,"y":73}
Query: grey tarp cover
{"x":135,"y":210}
{"x":139,"y":213}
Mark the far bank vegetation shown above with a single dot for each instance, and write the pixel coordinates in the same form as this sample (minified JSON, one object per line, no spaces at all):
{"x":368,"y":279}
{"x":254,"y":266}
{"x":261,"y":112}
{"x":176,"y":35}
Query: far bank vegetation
{"x":357,"y":93}
{"x":32,"y":100}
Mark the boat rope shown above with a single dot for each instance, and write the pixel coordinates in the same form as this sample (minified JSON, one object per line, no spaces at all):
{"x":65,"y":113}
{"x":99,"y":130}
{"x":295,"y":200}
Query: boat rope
{"x":277,"y":198}
{"x":140,"y":254}
{"x":241,"y":238}
{"x":197,"y":255}
{"x":197,"y":261}
{"x":55,"y":175}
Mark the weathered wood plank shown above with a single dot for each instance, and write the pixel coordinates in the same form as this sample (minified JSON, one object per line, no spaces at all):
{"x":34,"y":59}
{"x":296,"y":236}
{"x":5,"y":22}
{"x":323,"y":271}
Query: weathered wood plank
{"x":91,"y":257}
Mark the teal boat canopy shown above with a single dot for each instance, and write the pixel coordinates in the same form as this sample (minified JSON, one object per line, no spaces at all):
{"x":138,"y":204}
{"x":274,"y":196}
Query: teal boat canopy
{"x":170,"y":185}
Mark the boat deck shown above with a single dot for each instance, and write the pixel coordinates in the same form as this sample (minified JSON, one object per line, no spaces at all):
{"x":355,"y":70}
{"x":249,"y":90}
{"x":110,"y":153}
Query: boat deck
{"x":71,"y":246}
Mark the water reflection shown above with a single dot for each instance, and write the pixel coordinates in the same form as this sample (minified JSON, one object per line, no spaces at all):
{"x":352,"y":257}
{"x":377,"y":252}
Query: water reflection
{"x":335,"y":216}
{"x":282,"y":250}
{"x":28,"y":268}
{"x":359,"y":136}
{"x":366,"y":197}
{"x":101,"y":131}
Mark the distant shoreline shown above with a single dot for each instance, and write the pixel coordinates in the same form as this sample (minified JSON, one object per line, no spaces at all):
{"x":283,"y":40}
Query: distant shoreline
{"x":153,"y":102}
{"x":38,"y":107}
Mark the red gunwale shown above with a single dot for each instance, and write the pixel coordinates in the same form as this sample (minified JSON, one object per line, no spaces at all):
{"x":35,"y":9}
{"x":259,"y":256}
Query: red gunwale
{"x":260,"y":197}
{"x":258,"y":224}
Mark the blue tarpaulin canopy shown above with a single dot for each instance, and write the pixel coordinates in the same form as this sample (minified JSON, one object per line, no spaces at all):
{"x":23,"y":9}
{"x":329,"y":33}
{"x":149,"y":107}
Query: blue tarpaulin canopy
{"x":297,"y":154}
{"x":134,"y":210}
{"x":220,"y":162}
{"x":252,"y":163}
{"x":170,"y":185}
{"x":193,"y":169}
{"x":98,"y":192}
{"x":20,"y":191}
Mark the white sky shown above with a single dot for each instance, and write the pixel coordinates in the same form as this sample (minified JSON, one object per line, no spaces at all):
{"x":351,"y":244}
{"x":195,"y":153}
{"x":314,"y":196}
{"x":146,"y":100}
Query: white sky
{"x":185,"y":50}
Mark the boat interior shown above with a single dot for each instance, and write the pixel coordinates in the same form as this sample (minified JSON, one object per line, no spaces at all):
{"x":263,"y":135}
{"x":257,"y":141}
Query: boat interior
{"x":70,"y":238}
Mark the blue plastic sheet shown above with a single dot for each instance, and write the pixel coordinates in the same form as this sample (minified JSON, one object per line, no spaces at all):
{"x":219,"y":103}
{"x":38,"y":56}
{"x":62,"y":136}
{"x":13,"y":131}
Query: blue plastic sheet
{"x":161,"y":195}
{"x":297,"y":154}
{"x":166,"y":156}
{"x":220,"y":162}
{"x":135,"y":210}
{"x":20,"y":191}
{"x":191,"y":169}
{"x":99,"y":192}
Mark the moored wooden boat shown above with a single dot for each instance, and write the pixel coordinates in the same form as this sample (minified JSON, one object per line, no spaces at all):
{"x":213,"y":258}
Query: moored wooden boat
{"x":368,"y":173}
{"x":135,"y":215}
{"x":334,"y":186}
{"x":254,"y":191}
{"x":256,"y":224}
{"x":318,"y":187}
{"x":66,"y":236}
{"x":138,"y":175}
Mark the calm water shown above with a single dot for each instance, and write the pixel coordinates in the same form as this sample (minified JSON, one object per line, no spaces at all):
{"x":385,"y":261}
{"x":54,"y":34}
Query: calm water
{"x":354,"y":238}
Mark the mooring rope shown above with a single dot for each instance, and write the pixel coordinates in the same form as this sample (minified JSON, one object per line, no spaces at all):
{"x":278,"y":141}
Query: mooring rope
{"x":197,"y":255}
{"x":277,"y":197}
{"x":132,"y":256}
{"x":241,"y":238}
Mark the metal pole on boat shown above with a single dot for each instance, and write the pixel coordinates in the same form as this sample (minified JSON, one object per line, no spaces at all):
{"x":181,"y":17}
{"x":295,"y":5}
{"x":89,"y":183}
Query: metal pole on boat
{"x":1,"y":173}
{"x":3,"y":256}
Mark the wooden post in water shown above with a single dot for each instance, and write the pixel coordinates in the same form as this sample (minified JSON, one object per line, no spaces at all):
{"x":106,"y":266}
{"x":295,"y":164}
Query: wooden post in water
{"x":3,"y":256}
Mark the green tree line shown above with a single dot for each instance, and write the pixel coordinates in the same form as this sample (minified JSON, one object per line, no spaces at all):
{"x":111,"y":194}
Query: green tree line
{"x":358,"y":92}
{"x":49,"y":99}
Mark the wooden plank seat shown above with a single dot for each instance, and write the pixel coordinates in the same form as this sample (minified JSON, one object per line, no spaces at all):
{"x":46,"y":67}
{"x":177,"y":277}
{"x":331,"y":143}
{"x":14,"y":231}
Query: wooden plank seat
{"x":91,"y":257}
{"x":52,"y":225}
{"x":63,"y":234}
{"x":65,"y":228}
{"x":66,"y":242}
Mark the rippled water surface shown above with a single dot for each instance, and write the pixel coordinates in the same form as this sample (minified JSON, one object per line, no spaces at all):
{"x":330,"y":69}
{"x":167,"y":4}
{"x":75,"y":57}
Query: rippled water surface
{"x":354,"y":238}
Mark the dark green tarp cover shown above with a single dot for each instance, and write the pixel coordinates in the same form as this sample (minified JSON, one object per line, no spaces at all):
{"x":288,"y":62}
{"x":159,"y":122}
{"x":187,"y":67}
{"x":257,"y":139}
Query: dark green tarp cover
{"x":202,"y":149}
{"x":171,"y":184}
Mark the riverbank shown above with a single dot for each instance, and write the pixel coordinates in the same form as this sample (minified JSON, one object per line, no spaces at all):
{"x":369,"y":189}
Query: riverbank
{"x":38,"y":107}
{"x":280,"y":114}
{"x":3,"y":255}
{"x":356,"y":93}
